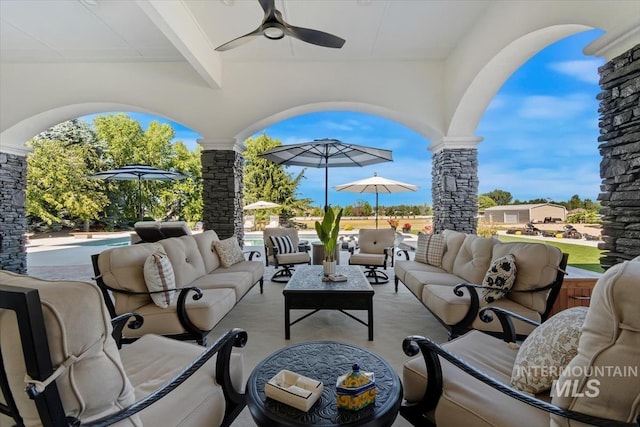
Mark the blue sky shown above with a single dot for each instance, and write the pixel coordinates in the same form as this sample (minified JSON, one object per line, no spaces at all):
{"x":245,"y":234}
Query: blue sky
{"x":540,"y":136}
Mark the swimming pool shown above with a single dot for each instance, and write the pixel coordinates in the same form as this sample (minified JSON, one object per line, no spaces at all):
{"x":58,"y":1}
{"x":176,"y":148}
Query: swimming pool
{"x":114,"y":241}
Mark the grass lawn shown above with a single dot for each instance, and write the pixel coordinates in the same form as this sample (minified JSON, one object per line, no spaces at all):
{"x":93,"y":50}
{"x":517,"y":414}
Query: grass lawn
{"x":580,"y":256}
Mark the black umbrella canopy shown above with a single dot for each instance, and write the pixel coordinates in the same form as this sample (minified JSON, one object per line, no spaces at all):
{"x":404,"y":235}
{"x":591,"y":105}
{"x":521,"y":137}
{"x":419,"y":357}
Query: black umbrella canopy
{"x":138,"y":173}
{"x":327,"y":153}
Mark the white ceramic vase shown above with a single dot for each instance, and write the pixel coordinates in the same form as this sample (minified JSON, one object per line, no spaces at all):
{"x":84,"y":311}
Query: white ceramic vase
{"x":329,"y":267}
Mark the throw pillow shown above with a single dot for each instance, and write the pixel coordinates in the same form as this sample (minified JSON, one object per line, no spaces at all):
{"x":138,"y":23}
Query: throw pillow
{"x":430,"y":249}
{"x":229,"y":251}
{"x":159,"y":276}
{"x":547,"y":351}
{"x":501,"y":274}
{"x":283,"y":244}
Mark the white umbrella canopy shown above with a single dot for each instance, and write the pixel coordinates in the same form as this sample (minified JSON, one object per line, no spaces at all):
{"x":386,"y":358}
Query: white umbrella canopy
{"x":260,"y":204}
{"x":376,"y":184}
{"x":138,"y":173}
{"x":327,"y":153}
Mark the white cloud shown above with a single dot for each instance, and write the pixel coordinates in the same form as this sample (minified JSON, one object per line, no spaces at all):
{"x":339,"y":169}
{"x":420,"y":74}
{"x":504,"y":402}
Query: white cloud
{"x":555,"y":107}
{"x":585,"y":70}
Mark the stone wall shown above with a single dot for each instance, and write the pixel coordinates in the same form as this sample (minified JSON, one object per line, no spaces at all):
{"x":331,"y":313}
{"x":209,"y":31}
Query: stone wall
{"x":222,"y":193}
{"x":620,"y":149}
{"x":13,"y":213}
{"x":455,"y":190}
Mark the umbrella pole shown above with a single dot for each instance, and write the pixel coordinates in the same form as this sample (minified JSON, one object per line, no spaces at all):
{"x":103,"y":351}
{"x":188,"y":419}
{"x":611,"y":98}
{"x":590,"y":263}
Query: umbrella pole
{"x":376,"y":210}
{"x":326,"y":185}
{"x":140,"y":217}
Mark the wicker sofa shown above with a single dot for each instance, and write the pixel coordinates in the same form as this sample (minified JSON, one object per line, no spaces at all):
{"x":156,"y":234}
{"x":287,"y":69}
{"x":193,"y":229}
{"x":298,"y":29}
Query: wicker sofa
{"x":451,"y":290}
{"x":208,"y":291}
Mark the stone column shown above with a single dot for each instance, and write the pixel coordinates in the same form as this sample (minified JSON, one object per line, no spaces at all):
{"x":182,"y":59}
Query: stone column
{"x":454,"y":186}
{"x":620,"y":149}
{"x":13,"y":212}
{"x":222,"y":185}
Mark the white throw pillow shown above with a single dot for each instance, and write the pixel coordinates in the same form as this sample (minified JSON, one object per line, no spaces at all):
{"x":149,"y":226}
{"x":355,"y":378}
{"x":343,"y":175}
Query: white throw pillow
{"x":430,"y":249}
{"x":547,"y":351}
{"x":283,"y":244}
{"x":501,"y":274}
{"x":229,"y":251}
{"x":159,"y":276}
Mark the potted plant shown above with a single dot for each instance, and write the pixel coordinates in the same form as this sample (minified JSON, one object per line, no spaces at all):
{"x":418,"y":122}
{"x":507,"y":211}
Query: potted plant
{"x":393,"y":222}
{"x":328,"y":234}
{"x":406,"y":228}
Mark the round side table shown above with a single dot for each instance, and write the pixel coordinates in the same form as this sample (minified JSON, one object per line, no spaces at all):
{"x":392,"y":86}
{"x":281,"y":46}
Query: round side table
{"x":324,"y":361}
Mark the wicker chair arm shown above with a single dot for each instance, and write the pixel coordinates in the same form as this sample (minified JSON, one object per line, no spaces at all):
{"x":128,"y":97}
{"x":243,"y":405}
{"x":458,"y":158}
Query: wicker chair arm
{"x":431,"y":352}
{"x":223,"y":347}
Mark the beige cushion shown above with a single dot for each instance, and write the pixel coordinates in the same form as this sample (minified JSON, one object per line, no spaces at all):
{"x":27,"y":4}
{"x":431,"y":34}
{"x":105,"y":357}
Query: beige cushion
{"x":294,"y":258}
{"x":547,"y":351}
{"x":77,"y":324}
{"x":205,"y":313}
{"x":240,"y":281}
{"x":501,"y":274}
{"x":466,"y":401}
{"x":375,"y":241}
{"x":537,"y":267}
{"x":610,"y":337}
{"x":451,"y":309}
{"x":415,"y":280}
{"x":256,"y":268}
{"x":473,"y":259}
{"x":430,"y":249}
{"x":229,"y":251}
{"x":453,"y":242}
{"x":209,"y":254}
{"x":158,"y":275}
{"x":185,"y":258}
{"x":367,"y":259}
{"x":123,"y":268}
{"x":152,"y":361}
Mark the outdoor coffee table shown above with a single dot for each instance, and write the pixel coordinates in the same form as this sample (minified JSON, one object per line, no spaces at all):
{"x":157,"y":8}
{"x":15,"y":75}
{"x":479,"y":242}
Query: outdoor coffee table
{"x":306,"y":290}
{"x":324,"y":361}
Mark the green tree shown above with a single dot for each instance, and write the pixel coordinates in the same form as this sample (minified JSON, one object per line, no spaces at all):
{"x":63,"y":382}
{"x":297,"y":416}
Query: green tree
{"x":501,"y":197}
{"x":264,"y":180}
{"x":485,"y":202}
{"x":126,"y":143}
{"x":58,"y":183}
{"x":575,"y":202}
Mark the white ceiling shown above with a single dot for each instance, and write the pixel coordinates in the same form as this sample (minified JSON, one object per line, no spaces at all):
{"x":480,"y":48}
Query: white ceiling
{"x":119,"y":30}
{"x":431,"y":65}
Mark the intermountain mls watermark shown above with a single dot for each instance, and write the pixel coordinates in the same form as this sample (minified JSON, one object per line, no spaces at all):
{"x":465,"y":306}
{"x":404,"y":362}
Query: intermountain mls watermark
{"x":576,"y":385}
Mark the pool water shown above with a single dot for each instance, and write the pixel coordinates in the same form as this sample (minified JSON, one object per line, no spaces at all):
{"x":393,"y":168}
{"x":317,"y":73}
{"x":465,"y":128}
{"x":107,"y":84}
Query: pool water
{"x":116,"y":241}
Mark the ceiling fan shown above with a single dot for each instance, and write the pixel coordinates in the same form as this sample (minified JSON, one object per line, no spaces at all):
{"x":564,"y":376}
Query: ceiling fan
{"x":274,"y":27}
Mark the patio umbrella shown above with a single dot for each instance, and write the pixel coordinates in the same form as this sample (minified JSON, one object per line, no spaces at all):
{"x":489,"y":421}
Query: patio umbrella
{"x":260,"y":205}
{"x":138,"y":173}
{"x":326,"y":153}
{"x":376,"y":184}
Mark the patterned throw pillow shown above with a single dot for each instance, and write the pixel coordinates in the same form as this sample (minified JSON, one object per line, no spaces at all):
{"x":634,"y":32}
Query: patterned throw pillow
{"x":283,"y":244}
{"x":430,"y":249}
{"x":547,"y":351}
{"x":158,"y":275}
{"x":501,"y":274}
{"x":229,"y":251}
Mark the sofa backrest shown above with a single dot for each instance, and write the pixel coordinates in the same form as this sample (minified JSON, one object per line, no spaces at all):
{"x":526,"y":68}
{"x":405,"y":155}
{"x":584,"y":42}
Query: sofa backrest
{"x":78,"y":332}
{"x":452,"y":242}
{"x":537,"y":266}
{"x":474,"y":257}
{"x":608,"y":351}
{"x":185,"y":258}
{"x":209,"y":254}
{"x":123,"y":268}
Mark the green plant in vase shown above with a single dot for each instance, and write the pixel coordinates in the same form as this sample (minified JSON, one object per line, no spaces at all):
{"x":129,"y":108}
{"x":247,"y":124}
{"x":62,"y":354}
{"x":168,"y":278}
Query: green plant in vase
{"x":327,"y":231}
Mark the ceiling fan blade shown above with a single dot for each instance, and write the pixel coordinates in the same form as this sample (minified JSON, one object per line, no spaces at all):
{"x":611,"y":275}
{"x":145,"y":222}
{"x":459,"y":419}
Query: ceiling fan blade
{"x":316,"y":37}
{"x":268,"y":5}
{"x":240,"y":40}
